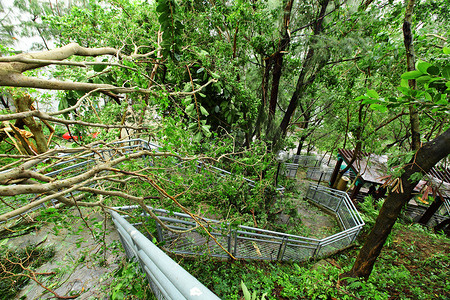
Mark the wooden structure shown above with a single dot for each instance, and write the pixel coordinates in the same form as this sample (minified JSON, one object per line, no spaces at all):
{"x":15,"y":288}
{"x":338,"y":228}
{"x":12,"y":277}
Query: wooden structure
{"x":370,"y":169}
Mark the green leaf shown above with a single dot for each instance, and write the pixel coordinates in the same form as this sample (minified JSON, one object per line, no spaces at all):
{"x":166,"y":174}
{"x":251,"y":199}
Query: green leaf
{"x":411,"y":74}
{"x":446,"y":50}
{"x":422,"y":66}
{"x":162,"y":6}
{"x":372,"y":94}
{"x":200,"y":70}
{"x":432,"y":70}
{"x":379,"y":107}
{"x":359,"y":98}
{"x":404,"y":83}
{"x":443,"y":102}
{"x":446,"y":72}
{"x":205,"y":129}
{"x":369,"y":101}
{"x":99,"y":68}
{"x":204,"y":111}
{"x":190,"y":108}
{"x":247,"y":295}
{"x":404,"y":90}
{"x":424,"y":78}
{"x":198,"y":137}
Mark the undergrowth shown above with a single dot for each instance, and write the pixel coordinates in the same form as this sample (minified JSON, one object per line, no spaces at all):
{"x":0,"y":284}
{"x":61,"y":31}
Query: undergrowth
{"x":130,"y":283}
{"x":401,"y":272}
{"x":17,"y":264}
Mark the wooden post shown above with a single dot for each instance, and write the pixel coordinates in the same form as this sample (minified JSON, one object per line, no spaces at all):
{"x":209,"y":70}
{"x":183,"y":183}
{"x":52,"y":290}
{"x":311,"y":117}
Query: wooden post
{"x":336,"y":170}
{"x":356,"y":190}
{"x":428,"y":214}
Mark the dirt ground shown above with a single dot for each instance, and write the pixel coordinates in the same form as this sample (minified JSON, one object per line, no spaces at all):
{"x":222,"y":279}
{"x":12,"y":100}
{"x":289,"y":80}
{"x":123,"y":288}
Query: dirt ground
{"x":80,"y":265}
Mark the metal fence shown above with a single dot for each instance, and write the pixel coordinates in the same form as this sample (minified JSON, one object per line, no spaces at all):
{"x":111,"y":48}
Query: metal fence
{"x":304,"y":160}
{"x":168,"y":280}
{"x":69,"y":167}
{"x":291,"y":165}
{"x":182,"y":235}
{"x":319,"y":174}
{"x":72,"y":165}
{"x":290,"y":169}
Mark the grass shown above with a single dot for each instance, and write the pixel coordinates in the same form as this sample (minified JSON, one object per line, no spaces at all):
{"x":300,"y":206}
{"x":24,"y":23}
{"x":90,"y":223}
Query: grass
{"x":414,"y":265}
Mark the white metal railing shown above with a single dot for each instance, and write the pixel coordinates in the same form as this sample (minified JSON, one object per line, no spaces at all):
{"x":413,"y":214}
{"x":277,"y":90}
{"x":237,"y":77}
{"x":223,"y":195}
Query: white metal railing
{"x":255,"y":243}
{"x":167,"y":278}
{"x":319,"y":174}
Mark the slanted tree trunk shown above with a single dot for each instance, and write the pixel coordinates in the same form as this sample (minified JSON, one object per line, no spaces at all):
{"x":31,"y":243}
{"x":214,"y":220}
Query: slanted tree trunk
{"x":304,"y":80}
{"x":411,"y":61}
{"x":426,"y":157}
{"x":283,"y":45}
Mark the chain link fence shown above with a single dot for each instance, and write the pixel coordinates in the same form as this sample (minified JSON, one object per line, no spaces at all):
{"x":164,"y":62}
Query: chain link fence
{"x":67,"y":165}
{"x":167,"y":279}
{"x":319,"y":174}
{"x":181,"y":234}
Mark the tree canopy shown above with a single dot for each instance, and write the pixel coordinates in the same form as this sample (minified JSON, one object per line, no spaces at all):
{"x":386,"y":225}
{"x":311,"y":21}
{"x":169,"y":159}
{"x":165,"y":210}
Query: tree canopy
{"x":232,"y":82}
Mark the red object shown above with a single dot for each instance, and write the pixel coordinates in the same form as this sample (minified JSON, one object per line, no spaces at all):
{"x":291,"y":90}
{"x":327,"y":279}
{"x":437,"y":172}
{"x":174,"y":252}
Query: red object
{"x":68,"y":136}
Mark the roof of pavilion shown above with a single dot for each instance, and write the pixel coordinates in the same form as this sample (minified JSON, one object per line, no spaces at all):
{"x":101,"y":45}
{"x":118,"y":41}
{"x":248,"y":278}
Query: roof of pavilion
{"x":372,"y":168}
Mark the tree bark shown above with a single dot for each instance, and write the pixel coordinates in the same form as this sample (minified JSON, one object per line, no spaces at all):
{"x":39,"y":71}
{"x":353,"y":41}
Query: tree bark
{"x":24,"y":103}
{"x":307,"y":66}
{"x":283,"y":45}
{"x":411,"y":61}
{"x":426,"y":157}
{"x":432,"y":209}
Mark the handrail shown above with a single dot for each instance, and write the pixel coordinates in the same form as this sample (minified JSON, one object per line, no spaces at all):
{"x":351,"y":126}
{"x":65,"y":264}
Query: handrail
{"x":173,"y":281}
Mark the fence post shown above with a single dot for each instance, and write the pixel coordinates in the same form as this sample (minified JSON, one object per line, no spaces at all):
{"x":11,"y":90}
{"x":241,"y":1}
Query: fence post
{"x":282,"y":249}
{"x":339,"y":204}
{"x":315,"y":191}
{"x":229,"y":240}
{"x":159,"y":231}
{"x":316,"y":252}
{"x":235,"y":242}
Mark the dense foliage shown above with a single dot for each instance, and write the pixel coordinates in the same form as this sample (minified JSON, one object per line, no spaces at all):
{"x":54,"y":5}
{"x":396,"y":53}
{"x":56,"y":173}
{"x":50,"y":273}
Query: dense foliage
{"x":229,"y":84}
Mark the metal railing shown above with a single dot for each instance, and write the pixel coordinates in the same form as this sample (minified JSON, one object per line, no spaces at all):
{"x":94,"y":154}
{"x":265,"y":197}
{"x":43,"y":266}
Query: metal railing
{"x":291,"y":165}
{"x":182,"y":235}
{"x":168,"y":280}
{"x":290,"y":169}
{"x":304,"y":160}
{"x":72,"y":167}
{"x":319,"y":174}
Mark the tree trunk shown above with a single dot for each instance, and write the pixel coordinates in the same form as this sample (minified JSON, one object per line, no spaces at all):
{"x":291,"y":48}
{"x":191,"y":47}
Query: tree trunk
{"x":411,"y":61}
{"x":283,"y":45}
{"x":426,"y":157}
{"x":302,"y":83}
{"x":24,"y":103}
{"x":306,"y":120}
